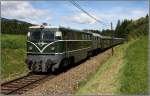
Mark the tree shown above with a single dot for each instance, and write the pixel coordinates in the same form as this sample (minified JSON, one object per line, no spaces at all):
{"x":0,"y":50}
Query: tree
{"x":12,"y":26}
{"x":117,"y":29}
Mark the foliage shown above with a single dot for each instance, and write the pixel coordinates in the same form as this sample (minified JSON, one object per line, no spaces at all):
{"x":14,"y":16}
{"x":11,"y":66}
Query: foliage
{"x":13,"y":55}
{"x":105,"y":80}
{"x":121,"y":29}
{"x":107,"y":32}
{"x":134,"y":79}
{"x":132,"y":28}
{"x":13,"y":26}
{"x":127,"y":28}
{"x":13,"y":41}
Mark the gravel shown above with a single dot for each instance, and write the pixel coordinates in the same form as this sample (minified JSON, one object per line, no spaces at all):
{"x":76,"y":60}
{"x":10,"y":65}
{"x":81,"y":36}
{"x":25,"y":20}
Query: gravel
{"x":67,"y":83}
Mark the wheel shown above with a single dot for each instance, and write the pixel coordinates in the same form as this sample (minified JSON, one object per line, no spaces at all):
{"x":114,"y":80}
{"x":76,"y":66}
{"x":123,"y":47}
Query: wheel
{"x":65,"y":63}
{"x":89,"y":54}
{"x":54,"y":70}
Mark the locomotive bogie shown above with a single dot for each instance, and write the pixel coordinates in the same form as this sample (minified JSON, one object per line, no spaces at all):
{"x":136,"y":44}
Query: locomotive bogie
{"x":44,"y":63}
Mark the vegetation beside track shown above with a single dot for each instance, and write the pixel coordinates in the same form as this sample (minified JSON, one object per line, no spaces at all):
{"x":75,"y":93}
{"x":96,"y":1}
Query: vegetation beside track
{"x":134,"y":79}
{"x":124,"y":73}
{"x":13,"y":49}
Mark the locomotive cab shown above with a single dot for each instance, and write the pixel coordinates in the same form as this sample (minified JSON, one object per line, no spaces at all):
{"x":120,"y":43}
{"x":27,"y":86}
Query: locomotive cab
{"x":42,"y":48}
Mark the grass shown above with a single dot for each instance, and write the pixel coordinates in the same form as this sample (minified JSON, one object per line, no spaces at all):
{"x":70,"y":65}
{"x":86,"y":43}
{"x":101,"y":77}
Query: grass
{"x":135,"y":73}
{"x":13,"y":54}
{"x":13,"y":41}
{"x":105,"y":80}
{"x":124,"y":73}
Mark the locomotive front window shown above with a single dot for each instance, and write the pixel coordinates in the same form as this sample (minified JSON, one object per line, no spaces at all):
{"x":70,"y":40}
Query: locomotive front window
{"x":47,"y":35}
{"x":35,"y":34}
{"x":38,"y":34}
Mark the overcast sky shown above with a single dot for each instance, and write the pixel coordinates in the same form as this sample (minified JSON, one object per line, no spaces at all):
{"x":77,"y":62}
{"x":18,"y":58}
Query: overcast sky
{"x":65,"y":14}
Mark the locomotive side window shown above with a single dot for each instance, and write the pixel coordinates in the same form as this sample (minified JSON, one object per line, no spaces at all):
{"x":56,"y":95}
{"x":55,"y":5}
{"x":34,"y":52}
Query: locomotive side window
{"x":70,"y":36}
{"x":58,"y":35}
{"x":64,"y":35}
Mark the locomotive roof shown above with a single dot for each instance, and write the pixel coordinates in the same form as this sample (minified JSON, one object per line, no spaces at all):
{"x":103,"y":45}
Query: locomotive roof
{"x":39,"y":26}
{"x":59,"y":27}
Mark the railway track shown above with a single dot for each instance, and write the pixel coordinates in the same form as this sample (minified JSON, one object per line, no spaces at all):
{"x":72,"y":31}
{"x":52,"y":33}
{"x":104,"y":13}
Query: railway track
{"x":23,"y":84}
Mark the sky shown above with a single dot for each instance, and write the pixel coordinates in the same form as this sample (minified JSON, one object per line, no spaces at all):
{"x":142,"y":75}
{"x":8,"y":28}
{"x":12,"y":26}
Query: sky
{"x":63,"y":13}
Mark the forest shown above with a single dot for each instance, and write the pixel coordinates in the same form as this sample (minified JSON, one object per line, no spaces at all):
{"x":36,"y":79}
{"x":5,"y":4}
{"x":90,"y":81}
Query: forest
{"x":124,"y":29}
{"x":13,"y":26}
{"x":128,"y":28}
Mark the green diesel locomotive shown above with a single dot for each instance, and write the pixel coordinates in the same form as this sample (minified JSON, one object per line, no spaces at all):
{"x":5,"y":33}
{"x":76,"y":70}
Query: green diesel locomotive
{"x":50,"y":48}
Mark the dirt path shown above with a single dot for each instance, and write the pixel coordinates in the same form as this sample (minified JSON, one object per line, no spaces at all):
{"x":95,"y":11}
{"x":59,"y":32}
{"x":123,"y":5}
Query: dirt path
{"x":67,"y":83}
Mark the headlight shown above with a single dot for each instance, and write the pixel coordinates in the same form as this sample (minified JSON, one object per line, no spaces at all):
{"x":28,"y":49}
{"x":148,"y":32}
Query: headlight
{"x":52,"y":48}
{"x":30,"y":47}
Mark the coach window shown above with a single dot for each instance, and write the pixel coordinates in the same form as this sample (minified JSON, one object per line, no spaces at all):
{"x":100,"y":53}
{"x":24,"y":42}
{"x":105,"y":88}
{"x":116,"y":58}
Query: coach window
{"x":82,"y":36}
{"x":79,"y":36}
{"x":89,"y":37}
{"x":86,"y":36}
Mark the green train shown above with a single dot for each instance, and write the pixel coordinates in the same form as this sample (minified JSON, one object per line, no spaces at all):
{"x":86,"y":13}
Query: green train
{"x":51,"y":48}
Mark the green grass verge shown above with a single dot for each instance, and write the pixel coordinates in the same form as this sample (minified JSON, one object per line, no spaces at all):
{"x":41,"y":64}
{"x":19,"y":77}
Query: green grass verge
{"x":100,"y":82}
{"x":135,"y":73}
{"x":13,"y":41}
{"x":132,"y":74}
{"x":91,"y":85}
{"x":13,"y":54}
